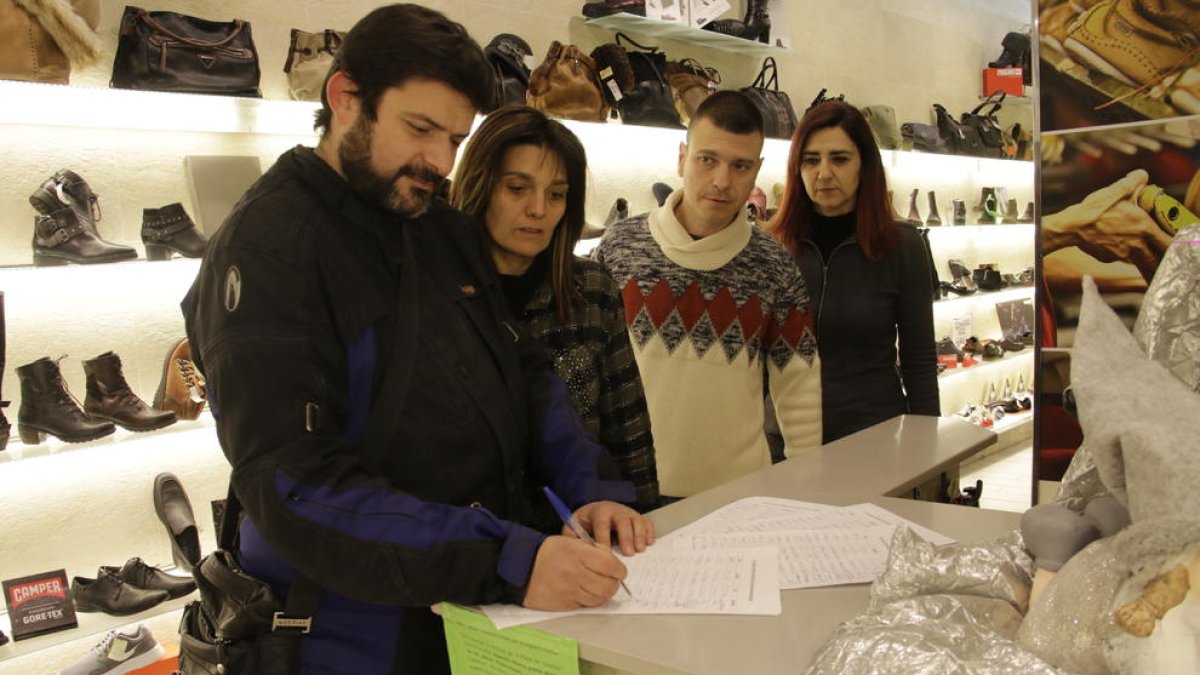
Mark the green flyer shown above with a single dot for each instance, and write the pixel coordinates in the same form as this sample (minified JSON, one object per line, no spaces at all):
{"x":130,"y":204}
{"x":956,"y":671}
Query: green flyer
{"x":477,"y":648}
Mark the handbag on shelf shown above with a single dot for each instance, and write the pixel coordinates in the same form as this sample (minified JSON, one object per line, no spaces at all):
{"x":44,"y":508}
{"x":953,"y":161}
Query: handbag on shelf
{"x":507,"y":52}
{"x":309,"y":57}
{"x":882,"y":120}
{"x":922,"y":137}
{"x":779,"y":118}
{"x":168,"y":51}
{"x":960,"y":139}
{"x":691,"y":83}
{"x":991,"y":135}
{"x":634,"y":82}
{"x":566,"y":85}
{"x":41,"y":39}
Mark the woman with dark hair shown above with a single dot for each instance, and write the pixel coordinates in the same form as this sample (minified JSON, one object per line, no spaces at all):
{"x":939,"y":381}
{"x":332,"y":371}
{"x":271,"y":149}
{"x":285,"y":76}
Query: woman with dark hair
{"x":869,"y":274}
{"x":524,"y":175}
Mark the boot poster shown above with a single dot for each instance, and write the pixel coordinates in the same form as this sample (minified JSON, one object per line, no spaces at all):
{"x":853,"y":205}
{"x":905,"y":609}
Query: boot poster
{"x":1118,"y":176}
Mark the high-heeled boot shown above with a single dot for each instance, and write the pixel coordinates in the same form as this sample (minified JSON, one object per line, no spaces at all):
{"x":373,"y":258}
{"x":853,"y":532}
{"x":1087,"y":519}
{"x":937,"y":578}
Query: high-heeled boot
{"x":914,"y":214}
{"x":758,"y":22}
{"x":988,"y":208}
{"x":171,"y":229}
{"x":934,"y":218}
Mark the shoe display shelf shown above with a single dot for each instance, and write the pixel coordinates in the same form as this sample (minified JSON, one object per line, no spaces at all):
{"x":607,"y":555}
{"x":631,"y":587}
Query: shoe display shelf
{"x":988,"y":364}
{"x":981,"y":296}
{"x":654,"y":28}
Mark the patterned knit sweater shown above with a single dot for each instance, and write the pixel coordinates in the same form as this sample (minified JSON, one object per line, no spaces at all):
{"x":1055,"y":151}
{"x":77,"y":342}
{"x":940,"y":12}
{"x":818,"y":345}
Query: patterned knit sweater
{"x":711,"y":320}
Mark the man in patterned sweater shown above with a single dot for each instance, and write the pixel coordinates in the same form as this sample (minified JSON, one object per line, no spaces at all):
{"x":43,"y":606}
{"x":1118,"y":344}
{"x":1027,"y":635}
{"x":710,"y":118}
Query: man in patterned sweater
{"x":716,"y":309}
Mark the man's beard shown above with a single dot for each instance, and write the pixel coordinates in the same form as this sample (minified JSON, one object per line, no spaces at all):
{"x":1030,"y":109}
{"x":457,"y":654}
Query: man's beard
{"x":355,"y":156}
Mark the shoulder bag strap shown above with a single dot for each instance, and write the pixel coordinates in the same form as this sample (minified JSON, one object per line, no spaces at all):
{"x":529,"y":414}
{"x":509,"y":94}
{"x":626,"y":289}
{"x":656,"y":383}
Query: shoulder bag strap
{"x":763,"y":81}
{"x":622,"y":36}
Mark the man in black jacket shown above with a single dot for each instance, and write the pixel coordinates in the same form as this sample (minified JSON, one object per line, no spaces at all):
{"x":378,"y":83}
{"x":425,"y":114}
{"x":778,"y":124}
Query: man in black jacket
{"x":386,"y":421}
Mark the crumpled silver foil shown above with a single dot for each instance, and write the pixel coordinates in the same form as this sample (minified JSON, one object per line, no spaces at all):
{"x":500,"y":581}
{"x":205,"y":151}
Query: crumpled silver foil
{"x":935,"y":634}
{"x":1168,"y":324}
{"x":1072,"y":620}
{"x":1081,"y":482}
{"x":1000,"y":569}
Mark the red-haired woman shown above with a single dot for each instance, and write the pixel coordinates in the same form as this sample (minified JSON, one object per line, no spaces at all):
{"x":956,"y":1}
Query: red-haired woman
{"x":868,"y":275}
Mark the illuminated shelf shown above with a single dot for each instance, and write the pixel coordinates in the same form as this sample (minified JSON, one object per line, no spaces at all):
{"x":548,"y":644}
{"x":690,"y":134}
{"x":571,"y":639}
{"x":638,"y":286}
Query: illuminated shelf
{"x":1005,"y":295}
{"x":683,"y":33}
{"x":91,"y":624}
{"x":982,"y":366}
{"x":39,"y":104}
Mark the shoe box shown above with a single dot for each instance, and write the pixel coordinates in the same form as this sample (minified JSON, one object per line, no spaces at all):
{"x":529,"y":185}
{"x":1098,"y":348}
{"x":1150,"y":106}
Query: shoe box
{"x":1010,"y":80}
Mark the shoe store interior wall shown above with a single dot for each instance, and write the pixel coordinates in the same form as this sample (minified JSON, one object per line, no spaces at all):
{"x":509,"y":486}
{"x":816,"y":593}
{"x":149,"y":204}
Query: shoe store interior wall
{"x":81,"y":505}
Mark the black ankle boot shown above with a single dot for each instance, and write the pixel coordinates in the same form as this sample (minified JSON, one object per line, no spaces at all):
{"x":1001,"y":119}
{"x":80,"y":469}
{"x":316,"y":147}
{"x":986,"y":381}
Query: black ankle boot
{"x":1015,"y":45}
{"x":758,"y":23}
{"x":5,"y":427}
{"x":171,"y":229}
{"x":109,"y":397}
{"x":67,"y":188}
{"x":48,"y":408}
{"x":934,"y":218}
{"x":60,"y":238}
{"x":914,"y":214}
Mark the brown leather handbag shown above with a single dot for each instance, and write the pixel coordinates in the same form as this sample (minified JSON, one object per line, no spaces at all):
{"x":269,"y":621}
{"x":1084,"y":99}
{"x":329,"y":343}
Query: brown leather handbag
{"x":566,"y":85}
{"x":168,"y":51}
{"x":41,"y":39}
{"x":691,"y":83}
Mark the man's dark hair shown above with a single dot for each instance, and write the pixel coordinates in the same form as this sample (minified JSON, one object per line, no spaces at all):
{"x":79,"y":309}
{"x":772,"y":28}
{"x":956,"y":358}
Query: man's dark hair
{"x":730,"y":111}
{"x":397,"y":43}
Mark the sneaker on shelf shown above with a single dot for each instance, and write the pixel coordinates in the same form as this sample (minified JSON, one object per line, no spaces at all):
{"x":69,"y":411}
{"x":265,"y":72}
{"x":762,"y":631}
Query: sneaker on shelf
{"x":121,"y":651}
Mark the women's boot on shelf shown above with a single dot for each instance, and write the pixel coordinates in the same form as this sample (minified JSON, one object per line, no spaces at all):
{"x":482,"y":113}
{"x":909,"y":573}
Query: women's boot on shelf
{"x":758,"y":23}
{"x":171,"y":229}
{"x":47,"y":408}
{"x":960,"y":211}
{"x":934,"y":218}
{"x":1028,"y":215}
{"x":109,"y":397}
{"x":182,"y":388}
{"x":989,"y":208}
{"x":60,"y":238}
{"x":1010,"y":213}
{"x":914,"y":214}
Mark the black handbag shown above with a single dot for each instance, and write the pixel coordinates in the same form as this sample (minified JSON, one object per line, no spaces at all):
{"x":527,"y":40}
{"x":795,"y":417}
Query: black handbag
{"x":922,"y":137}
{"x":960,"y":139}
{"x":992,"y":137}
{"x":779,"y":117}
{"x":167,"y":51}
{"x":506,"y":52}
{"x":634,"y":80}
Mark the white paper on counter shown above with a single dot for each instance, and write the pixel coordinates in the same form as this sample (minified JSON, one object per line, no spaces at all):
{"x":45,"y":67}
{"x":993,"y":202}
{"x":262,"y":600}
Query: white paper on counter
{"x":882,"y":515}
{"x":671,"y":581}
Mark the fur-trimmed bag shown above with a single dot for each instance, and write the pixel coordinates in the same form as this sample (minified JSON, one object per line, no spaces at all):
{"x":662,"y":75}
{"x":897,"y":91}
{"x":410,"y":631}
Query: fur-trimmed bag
{"x":41,"y":39}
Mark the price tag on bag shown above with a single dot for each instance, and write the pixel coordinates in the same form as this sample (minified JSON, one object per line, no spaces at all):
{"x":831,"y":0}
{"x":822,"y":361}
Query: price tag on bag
{"x":39,"y":604}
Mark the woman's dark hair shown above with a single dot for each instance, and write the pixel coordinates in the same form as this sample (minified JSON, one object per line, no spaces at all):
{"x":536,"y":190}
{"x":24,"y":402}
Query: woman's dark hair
{"x":876,"y":229}
{"x":479,"y":170}
{"x":397,"y":43}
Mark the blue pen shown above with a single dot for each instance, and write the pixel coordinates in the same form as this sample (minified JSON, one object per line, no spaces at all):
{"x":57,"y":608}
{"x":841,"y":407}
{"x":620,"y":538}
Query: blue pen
{"x":568,"y":519}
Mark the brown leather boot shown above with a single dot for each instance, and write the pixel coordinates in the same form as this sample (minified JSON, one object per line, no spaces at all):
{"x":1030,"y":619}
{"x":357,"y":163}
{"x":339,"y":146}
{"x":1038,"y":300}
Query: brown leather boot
{"x":109,"y":397}
{"x":181,"y":389}
{"x":48,"y":408}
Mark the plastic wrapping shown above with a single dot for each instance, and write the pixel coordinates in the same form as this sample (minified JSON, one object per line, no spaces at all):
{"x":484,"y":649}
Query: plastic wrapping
{"x":931,"y":634}
{"x":1081,"y":482}
{"x":1168,"y":324}
{"x":949,"y":609}
{"x":1000,"y":569}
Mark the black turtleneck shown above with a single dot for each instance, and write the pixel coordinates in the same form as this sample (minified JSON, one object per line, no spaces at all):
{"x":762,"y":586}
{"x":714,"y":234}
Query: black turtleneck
{"x":518,"y":289}
{"x":829,"y":231}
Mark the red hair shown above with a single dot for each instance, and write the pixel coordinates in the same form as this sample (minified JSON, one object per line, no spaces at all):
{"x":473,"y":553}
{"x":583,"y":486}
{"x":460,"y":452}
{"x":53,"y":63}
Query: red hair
{"x":876,"y":229}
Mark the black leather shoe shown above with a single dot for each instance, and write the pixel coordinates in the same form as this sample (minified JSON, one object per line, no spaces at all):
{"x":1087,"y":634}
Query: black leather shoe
{"x":138,"y":574}
{"x":67,"y":188}
{"x":171,"y":229}
{"x":110,"y":398}
{"x":175,"y":511}
{"x":109,"y":594}
{"x":60,"y":237}
{"x":48,"y":408}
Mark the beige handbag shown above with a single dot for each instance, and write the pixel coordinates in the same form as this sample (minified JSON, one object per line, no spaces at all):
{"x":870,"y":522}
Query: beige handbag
{"x":310,"y":56}
{"x":41,"y":39}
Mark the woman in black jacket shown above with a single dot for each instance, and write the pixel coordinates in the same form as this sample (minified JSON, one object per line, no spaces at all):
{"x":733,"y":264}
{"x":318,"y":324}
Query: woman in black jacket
{"x":869,"y":274}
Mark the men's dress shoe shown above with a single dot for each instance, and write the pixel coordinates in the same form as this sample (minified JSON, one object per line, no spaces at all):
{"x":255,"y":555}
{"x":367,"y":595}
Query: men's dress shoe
{"x":175,"y":512}
{"x":48,"y":408}
{"x":109,"y":397}
{"x":60,"y":237}
{"x":138,"y":574}
{"x":121,"y":651}
{"x":108,"y":594}
{"x":171,"y":229}
{"x":181,"y":388}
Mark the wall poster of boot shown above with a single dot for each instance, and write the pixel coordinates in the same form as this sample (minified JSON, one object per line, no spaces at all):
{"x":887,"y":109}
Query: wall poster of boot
{"x":1117,"y":61}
